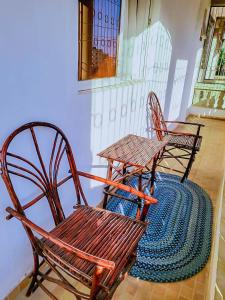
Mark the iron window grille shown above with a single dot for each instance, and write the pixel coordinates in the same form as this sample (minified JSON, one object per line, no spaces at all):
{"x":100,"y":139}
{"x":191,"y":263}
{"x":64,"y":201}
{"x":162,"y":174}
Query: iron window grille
{"x":99,"y":27}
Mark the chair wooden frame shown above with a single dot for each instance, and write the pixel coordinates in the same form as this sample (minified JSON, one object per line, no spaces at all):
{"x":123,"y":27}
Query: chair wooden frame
{"x":99,"y":265}
{"x":187,"y":143}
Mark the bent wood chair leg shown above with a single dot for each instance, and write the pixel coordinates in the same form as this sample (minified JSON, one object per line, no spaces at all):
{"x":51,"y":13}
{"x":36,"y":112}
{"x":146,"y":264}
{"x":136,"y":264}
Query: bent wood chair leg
{"x":95,"y":282}
{"x":189,"y":165}
{"x":138,"y":213}
{"x":105,"y":198}
{"x":51,"y":296}
{"x":34,"y":274}
{"x":153,"y":173}
{"x":109,"y":296}
{"x":62,"y":282}
{"x":109,"y":176}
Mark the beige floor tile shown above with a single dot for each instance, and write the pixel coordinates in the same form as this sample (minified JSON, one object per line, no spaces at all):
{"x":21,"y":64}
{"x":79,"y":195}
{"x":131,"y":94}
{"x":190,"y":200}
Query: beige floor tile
{"x":13,"y":294}
{"x":176,"y":287}
{"x":198,"y":296}
{"x":155,"y":296}
{"x":186,"y":292}
{"x":159,"y":289}
{"x":183,"y":298}
{"x":171,"y":294}
{"x":190,"y":282}
{"x":143,"y":294}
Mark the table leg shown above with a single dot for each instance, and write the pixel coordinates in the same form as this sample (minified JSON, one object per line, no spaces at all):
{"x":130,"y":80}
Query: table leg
{"x":154,"y":165}
{"x":109,"y":177}
{"x":141,"y":216}
{"x":138,"y":215}
{"x":124,"y":172}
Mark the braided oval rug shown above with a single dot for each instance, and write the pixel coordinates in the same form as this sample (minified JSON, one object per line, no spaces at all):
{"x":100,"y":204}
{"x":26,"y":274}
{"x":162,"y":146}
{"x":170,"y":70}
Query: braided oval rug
{"x":177,"y":242}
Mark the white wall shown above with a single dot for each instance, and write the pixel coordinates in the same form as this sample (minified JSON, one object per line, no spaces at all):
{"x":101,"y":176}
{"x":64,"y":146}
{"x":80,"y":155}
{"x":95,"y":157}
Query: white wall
{"x":38,"y":81}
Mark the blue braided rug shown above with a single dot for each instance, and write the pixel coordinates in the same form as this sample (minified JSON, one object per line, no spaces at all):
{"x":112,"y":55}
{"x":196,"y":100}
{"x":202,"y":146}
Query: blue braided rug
{"x":177,"y":242}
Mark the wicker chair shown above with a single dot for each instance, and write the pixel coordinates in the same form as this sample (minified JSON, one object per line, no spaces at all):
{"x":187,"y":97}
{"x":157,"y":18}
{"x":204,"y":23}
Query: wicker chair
{"x":187,"y":143}
{"x":91,"y":245}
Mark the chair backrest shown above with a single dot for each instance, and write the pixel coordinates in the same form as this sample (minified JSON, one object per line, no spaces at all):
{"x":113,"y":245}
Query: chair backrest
{"x":157,"y":117}
{"x":39,"y":167}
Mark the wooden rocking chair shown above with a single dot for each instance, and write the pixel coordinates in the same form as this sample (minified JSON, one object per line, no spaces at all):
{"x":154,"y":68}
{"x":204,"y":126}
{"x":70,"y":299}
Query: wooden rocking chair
{"x":91,"y":245}
{"x":187,"y":143}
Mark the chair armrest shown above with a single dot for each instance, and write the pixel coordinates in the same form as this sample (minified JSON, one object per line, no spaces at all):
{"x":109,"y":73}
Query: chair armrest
{"x":188,"y":123}
{"x":79,"y":253}
{"x":174,"y":132}
{"x":149,"y":200}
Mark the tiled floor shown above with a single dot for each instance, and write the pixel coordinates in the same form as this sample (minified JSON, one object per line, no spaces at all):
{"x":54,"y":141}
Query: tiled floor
{"x":207,"y":171}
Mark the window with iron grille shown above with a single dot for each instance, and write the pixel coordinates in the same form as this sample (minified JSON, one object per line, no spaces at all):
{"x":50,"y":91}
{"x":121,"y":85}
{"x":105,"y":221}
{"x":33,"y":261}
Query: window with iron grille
{"x":220,"y":67}
{"x":99,"y":25}
{"x":213,"y":56}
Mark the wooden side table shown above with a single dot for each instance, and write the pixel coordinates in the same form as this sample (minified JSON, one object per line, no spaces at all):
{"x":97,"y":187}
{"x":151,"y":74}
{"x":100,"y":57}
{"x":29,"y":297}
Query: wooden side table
{"x":132,"y":155}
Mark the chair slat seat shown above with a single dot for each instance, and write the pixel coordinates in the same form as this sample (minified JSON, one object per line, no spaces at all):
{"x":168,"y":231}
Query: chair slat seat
{"x":182,"y":141}
{"x":107,"y":235}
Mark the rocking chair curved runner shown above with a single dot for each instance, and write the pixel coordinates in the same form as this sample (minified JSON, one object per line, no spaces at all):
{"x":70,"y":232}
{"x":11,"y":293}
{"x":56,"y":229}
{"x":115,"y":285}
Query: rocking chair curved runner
{"x":91,"y":245}
{"x":187,"y":143}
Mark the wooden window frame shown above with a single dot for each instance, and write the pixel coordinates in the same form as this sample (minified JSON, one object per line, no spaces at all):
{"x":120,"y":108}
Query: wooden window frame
{"x":98,"y":63}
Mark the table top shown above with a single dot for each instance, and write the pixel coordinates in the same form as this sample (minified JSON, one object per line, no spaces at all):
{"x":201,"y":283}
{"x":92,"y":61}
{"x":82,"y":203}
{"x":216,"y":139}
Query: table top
{"x":134,"y":150}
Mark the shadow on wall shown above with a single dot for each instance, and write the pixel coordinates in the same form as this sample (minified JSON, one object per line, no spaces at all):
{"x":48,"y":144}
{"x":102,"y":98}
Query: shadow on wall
{"x":121,"y":108}
{"x":162,"y":57}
